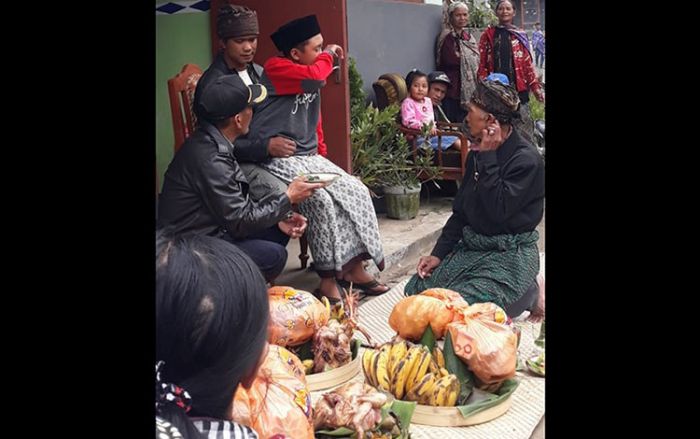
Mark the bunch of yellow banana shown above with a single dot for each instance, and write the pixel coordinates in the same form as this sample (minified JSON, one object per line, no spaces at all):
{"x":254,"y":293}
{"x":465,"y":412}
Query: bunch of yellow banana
{"x":445,"y":391}
{"x":412,"y":373}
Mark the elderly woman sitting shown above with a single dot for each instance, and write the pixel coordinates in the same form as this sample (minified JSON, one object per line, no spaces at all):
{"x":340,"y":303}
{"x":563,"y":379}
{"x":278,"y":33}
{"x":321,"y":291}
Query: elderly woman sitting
{"x":488,"y":248}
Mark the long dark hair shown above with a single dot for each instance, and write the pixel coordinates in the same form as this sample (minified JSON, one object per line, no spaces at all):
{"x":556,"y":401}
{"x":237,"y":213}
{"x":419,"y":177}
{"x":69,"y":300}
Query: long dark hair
{"x":211,"y":322}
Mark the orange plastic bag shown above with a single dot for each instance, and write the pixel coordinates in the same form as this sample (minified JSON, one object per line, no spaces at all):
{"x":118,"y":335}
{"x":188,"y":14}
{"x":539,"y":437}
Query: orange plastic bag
{"x":293,"y":316}
{"x":278,"y":402}
{"x":448,"y":296}
{"x":435,"y":307}
{"x":485,"y":342}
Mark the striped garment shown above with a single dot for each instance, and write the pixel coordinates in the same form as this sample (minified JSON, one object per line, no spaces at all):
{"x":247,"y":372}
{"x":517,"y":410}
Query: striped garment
{"x":211,"y":428}
{"x":220,"y":429}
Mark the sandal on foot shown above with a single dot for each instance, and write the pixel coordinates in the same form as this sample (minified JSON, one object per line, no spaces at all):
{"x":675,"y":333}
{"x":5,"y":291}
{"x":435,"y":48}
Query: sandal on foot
{"x":333,"y":300}
{"x":366,"y":288}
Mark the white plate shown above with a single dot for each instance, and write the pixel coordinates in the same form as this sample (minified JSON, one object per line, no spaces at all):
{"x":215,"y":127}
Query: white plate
{"x":322,"y":177}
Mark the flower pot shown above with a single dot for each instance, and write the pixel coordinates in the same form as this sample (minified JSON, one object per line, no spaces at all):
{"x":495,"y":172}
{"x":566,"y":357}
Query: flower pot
{"x":402,"y":202}
{"x":378,"y":199}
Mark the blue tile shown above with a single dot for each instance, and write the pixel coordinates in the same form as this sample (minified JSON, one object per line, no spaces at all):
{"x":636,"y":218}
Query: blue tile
{"x":204,"y":5}
{"x":170,"y":8}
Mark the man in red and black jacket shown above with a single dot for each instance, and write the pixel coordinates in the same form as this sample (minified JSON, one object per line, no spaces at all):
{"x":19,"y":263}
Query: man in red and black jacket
{"x":291,"y":83}
{"x":343,"y":229}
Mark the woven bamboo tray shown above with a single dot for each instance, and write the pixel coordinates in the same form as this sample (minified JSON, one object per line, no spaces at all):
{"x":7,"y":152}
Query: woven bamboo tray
{"x":451,"y":416}
{"x":335,"y":377}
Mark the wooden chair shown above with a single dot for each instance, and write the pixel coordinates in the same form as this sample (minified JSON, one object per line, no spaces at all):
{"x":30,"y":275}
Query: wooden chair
{"x":389,"y":89}
{"x":181,"y":89}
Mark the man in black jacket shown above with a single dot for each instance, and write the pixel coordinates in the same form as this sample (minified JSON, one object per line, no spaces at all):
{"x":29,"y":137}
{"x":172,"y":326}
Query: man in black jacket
{"x":238,"y":30}
{"x":204,"y":190}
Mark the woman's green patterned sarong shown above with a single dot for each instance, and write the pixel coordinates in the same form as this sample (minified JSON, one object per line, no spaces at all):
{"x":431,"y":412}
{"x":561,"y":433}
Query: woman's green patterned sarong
{"x":496,"y":269}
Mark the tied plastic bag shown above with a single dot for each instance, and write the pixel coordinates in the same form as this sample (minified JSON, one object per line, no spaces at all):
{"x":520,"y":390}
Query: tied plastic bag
{"x":450,"y":297}
{"x":486,"y":343}
{"x":278,"y":402}
{"x":435,"y":307}
{"x":294,"y":315}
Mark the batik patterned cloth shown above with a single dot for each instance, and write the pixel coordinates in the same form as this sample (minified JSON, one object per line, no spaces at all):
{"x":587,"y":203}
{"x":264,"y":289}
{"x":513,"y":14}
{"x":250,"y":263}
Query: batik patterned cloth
{"x":343,"y":225}
{"x":481,"y":268}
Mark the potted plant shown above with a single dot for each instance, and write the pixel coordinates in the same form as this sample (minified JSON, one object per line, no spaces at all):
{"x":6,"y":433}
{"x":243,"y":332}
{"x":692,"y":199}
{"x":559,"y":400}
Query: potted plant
{"x":481,"y":16}
{"x":382,"y":157}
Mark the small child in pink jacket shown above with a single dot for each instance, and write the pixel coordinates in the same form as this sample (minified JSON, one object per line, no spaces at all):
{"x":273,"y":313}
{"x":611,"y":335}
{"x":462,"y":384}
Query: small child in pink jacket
{"x":417,"y":111}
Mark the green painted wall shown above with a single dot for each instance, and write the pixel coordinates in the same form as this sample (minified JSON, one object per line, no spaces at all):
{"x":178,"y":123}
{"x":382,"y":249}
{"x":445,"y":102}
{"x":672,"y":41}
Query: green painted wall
{"x":180,"y":39}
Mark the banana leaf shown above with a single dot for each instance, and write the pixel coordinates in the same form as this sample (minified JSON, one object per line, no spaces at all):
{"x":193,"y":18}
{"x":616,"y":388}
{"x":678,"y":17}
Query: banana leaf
{"x":428,"y":338}
{"x":355,"y":347}
{"x":455,"y":365}
{"x":402,"y":409}
{"x":480,"y":400}
{"x":343,"y":432}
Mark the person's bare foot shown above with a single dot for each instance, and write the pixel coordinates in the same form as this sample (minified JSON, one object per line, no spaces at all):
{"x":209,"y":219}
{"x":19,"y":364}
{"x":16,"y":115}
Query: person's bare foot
{"x":537,"y":311}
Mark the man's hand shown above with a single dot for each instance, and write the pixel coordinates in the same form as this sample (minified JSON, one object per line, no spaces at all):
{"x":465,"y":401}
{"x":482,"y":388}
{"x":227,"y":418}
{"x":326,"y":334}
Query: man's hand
{"x":293,"y":227}
{"x":299,"y":189}
{"x":279,"y":146}
{"x":336,"y":49}
{"x":426,"y":265}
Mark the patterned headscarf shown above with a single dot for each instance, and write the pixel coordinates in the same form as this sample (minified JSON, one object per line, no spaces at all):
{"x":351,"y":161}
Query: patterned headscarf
{"x":455,"y":5}
{"x":498,"y":99}
{"x":168,"y":393}
{"x":468,"y":51}
{"x":236,"y":21}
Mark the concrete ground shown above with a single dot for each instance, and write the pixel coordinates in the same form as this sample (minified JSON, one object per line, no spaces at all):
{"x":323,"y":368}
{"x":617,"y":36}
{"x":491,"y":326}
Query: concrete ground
{"x":404,"y":242}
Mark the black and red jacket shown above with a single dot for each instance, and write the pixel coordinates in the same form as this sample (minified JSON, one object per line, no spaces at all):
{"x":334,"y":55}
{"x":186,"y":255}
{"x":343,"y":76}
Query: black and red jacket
{"x":292,"y":108}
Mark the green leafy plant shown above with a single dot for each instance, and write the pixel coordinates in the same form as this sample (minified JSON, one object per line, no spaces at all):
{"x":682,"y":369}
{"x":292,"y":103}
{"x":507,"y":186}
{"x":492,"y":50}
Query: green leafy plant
{"x":357,"y":93}
{"x":381,"y":155}
{"x":536,"y":108}
{"x":481,"y":15}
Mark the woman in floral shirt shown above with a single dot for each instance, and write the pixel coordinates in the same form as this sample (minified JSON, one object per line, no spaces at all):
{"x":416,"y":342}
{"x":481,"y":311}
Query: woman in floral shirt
{"x":505,"y":49}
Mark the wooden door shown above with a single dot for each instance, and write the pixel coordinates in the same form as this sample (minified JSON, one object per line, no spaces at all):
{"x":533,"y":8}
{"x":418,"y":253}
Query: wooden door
{"x":335,"y":95}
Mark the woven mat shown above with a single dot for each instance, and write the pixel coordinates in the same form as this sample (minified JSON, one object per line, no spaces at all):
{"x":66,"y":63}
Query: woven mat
{"x":527,"y":401}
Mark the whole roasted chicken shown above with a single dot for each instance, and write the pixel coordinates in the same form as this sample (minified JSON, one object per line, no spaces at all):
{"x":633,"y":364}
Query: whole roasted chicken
{"x":331,"y":341}
{"x":354,"y":405}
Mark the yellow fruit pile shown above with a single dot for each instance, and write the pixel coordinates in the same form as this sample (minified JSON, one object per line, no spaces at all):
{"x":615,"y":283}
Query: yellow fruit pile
{"x":410,"y":372}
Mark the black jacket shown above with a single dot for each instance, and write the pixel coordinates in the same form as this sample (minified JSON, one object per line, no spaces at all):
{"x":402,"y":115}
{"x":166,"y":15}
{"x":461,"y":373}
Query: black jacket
{"x":205,"y":191}
{"x":217,"y":69}
{"x":246,"y":150}
{"x":507,"y":197}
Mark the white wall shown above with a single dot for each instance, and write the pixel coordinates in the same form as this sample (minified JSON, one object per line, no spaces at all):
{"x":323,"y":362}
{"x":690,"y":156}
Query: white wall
{"x":392,"y":37}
